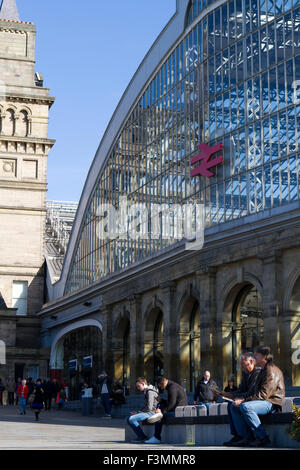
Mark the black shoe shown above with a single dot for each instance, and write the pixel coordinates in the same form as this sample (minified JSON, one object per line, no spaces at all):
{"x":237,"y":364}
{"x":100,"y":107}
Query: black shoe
{"x":233,"y":441}
{"x":265,"y":442}
{"x":244,"y":442}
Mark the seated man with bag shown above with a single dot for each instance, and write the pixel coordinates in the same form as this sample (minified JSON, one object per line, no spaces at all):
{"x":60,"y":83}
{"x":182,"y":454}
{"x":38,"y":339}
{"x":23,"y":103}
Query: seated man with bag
{"x":246,"y":388}
{"x":149,"y":410}
{"x":267,"y":397}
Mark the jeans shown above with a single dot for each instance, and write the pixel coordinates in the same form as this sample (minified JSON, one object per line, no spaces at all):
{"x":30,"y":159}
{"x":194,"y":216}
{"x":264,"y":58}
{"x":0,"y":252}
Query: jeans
{"x":11,"y":398}
{"x":159,"y":424}
{"x":205,"y":403}
{"x":230,"y":419}
{"x":245,"y":418}
{"x":48,"y":400}
{"x":22,"y":405}
{"x":134,"y":421}
{"x":106,"y":403}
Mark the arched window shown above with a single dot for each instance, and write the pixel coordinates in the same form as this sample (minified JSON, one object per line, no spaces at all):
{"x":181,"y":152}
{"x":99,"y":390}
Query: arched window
{"x":23,"y":124}
{"x":9,"y":123}
{"x":248,"y":323}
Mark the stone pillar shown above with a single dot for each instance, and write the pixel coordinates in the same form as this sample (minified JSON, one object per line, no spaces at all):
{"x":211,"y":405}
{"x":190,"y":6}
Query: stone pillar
{"x":211,"y":353}
{"x":136,"y":341}
{"x":107,"y":353}
{"x":272,"y":305}
{"x":171,"y":333}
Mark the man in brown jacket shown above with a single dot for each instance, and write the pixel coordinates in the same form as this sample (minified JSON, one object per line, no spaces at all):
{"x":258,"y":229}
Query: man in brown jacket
{"x":267,"y":397}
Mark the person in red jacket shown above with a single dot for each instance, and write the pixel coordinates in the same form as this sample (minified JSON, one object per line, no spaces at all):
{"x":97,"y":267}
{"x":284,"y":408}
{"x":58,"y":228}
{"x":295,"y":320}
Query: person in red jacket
{"x":22,"y":393}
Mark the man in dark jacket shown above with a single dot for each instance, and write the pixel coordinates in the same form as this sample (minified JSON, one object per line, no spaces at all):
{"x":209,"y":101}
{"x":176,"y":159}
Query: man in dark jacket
{"x":105,"y":391}
{"x":204,"y":390}
{"x":30,"y":386}
{"x":246,"y":388}
{"x":267,"y":397}
{"x":48,"y":394}
{"x":176,"y":397}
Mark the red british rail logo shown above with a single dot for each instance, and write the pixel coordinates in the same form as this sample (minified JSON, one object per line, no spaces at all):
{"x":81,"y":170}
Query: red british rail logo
{"x":204,"y":157}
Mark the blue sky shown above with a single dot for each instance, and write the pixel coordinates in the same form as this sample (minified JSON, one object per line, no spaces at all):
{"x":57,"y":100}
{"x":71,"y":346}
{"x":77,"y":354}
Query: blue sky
{"x":87,"y":52}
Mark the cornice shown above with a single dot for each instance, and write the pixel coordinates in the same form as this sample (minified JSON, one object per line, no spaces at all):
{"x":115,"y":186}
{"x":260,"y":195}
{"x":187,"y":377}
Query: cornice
{"x":29,"y":139}
{"x":28,"y":98}
{"x":18,"y":185}
{"x":13,"y":25}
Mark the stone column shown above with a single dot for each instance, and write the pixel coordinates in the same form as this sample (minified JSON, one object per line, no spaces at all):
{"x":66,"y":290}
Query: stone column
{"x":211,"y":353}
{"x":136,"y":341}
{"x":107,"y":352}
{"x":272,"y":304}
{"x":171,"y":333}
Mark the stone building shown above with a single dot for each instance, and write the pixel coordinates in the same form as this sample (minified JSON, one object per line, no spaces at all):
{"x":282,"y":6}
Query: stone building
{"x":24,"y":147}
{"x":221,"y":72}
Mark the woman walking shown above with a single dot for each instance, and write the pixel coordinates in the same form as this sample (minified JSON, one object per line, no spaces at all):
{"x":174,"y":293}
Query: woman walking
{"x":39,"y":398}
{"x":22,"y":393}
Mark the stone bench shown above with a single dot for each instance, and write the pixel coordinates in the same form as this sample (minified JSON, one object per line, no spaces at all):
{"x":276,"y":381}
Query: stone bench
{"x":193,"y":424}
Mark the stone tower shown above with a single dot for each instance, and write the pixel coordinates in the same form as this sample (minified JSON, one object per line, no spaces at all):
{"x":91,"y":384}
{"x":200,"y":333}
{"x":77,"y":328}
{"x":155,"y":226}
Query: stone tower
{"x":24,"y":147}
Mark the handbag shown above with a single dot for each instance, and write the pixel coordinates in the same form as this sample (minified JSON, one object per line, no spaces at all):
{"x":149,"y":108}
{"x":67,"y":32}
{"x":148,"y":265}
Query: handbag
{"x":31,"y":398}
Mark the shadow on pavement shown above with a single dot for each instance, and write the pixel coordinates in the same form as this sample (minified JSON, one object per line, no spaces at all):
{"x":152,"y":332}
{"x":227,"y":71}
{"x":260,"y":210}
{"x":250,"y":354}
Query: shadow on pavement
{"x":66,"y":418}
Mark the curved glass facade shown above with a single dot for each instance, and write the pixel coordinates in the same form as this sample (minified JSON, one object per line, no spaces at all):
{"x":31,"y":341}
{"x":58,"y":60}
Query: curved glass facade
{"x":194,"y":9}
{"x":233,"y":79}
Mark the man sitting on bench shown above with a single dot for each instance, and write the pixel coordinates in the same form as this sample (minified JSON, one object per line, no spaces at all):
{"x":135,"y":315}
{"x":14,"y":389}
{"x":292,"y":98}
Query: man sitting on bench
{"x":176,"y":397}
{"x":267,"y":397}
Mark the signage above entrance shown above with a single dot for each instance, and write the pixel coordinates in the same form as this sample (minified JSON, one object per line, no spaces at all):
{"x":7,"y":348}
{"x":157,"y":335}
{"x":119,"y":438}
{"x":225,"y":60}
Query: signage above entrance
{"x":205,"y":155}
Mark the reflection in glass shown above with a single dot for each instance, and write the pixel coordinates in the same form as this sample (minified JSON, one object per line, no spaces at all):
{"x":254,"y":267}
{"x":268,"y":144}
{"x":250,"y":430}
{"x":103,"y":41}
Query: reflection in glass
{"x":231,"y":79}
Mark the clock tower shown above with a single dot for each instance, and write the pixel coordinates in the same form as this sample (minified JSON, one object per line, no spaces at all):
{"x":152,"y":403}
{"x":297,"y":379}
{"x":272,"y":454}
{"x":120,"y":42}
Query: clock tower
{"x":24,"y":148}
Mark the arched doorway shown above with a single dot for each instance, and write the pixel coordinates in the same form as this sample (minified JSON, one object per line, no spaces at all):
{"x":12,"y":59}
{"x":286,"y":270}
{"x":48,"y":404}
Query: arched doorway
{"x":82,"y":349}
{"x":76,"y":355}
{"x":190,"y":344}
{"x":154,"y":359}
{"x":248,"y":324}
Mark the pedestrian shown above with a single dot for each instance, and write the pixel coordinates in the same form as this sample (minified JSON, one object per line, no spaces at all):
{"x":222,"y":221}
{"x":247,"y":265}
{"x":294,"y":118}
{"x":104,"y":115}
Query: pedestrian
{"x":231,"y":387}
{"x":48,"y":390}
{"x":151,"y":402}
{"x":204,"y":390}
{"x":105,"y":390}
{"x":55,"y":391}
{"x":117,"y":395}
{"x":267,"y":397}
{"x":22,"y":393}
{"x":176,"y":397}
{"x":30,"y":385}
{"x":38,"y":399}
{"x":246,"y":388}
{"x":61,"y":398}
{"x":18,"y":383}
{"x":2,"y":388}
{"x":11,"y":387}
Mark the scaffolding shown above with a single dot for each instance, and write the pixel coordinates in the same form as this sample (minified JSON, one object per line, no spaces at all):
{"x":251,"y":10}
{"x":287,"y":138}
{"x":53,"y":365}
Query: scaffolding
{"x":59,"y":222}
